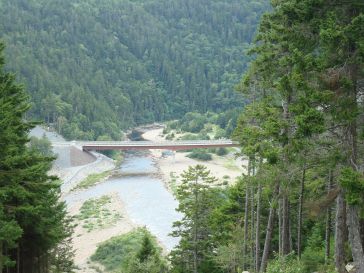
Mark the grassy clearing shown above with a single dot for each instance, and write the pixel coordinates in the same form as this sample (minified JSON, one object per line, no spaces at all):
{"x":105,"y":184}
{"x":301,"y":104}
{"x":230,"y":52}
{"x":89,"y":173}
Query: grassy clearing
{"x":91,"y":180}
{"x":94,"y":214}
{"x":120,"y":253}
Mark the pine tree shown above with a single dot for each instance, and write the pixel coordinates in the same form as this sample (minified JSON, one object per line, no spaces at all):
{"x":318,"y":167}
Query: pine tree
{"x":309,"y":62}
{"x":33,"y":219}
{"x":147,"y":249}
{"x":195,"y":203}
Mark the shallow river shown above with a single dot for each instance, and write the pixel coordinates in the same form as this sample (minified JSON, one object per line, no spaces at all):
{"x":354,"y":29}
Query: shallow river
{"x":147,"y":201}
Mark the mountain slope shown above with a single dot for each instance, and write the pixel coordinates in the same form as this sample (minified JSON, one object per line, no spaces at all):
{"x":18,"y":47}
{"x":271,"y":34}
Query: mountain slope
{"x":95,"y":67}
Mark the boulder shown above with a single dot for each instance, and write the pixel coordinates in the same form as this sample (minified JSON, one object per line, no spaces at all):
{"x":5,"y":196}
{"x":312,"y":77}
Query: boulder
{"x":350,"y":267}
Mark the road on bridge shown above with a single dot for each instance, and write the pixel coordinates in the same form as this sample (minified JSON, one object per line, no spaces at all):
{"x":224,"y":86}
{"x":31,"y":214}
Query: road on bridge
{"x":147,"y":145}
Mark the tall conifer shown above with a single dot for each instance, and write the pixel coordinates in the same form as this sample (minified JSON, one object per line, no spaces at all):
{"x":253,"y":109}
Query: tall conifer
{"x":32,"y":219}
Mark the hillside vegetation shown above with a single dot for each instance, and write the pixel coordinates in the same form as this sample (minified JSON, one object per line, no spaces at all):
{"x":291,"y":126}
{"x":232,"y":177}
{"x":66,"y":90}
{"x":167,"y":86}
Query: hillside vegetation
{"x":95,"y":67}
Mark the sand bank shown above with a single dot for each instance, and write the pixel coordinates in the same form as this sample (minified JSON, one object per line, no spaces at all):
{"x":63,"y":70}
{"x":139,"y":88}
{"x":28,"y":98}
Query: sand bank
{"x":220,"y":167}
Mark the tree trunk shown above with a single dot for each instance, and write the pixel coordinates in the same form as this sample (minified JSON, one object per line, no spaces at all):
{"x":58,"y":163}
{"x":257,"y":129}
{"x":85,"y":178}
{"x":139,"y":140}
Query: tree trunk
{"x":246,"y":218}
{"x":195,"y":262}
{"x":18,"y":259}
{"x":280,"y":223}
{"x":245,"y":245}
{"x":47,"y":264}
{"x":1,"y":257}
{"x":269,"y":231}
{"x":352,"y":211}
{"x":328,"y":236}
{"x":352,"y":220}
{"x":285,"y":225}
{"x":257,"y":229}
{"x":328,"y":222}
{"x":6,"y":254}
{"x":290,"y":231}
{"x":252,"y":250}
{"x":340,"y":234}
{"x":300,"y":206}
{"x":362,"y":231}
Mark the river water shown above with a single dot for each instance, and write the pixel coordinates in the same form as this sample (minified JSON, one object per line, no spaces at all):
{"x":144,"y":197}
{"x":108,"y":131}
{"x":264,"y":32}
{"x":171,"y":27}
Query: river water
{"x":147,"y":201}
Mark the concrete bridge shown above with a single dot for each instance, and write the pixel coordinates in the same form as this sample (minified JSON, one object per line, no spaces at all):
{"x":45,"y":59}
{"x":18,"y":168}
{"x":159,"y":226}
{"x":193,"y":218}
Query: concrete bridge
{"x":147,"y":145}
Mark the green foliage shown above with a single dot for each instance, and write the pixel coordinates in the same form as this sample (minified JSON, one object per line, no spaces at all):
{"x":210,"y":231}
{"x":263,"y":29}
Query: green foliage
{"x":32,"y":218}
{"x":138,"y":61}
{"x":95,"y":214}
{"x":193,"y":122}
{"x":170,"y":136}
{"x":209,"y":124}
{"x":303,"y":120}
{"x":189,"y":137}
{"x":91,"y":180}
{"x":196,"y":202}
{"x":136,"y":251}
{"x":353,"y":183}
{"x":259,"y":130}
{"x":200,"y":154}
{"x":41,"y":145}
{"x":147,"y":249}
{"x":287,"y":264}
{"x":62,"y":256}
{"x":173,"y":182}
{"x":221,"y":151}
{"x":313,"y":256}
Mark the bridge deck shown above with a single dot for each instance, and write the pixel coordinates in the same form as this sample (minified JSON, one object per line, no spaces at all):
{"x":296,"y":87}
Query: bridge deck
{"x":167,"y":145}
{"x":146,"y":145}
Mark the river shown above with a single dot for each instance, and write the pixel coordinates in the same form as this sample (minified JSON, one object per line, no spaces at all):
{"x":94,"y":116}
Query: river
{"x":147,"y":201}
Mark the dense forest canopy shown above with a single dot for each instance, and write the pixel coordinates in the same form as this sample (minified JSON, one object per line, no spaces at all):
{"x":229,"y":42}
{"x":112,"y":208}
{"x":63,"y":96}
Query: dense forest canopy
{"x":95,"y":67}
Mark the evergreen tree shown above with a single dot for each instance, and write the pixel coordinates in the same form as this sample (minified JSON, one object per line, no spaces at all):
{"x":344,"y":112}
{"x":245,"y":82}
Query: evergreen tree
{"x":196,"y":201}
{"x":33,"y":220}
{"x":309,"y":71}
{"x":146,"y":250}
{"x":147,"y":259}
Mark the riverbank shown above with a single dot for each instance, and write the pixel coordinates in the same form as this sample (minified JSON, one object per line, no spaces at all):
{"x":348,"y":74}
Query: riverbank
{"x":84,"y":240}
{"x":225,"y":168}
{"x":139,"y":198}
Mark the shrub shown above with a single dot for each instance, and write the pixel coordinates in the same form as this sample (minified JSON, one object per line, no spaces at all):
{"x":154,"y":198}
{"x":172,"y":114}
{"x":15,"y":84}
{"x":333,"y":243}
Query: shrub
{"x":136,"y":251}
{"x":287,"y":264}
{"x":170,"y":136}
{"x":173,"y":125}
{"x":220,"y":133}
{"x":189,"y":137}
{"x":221,"y":151}
{"x":200,"y":155}
{"x":41,"y":145}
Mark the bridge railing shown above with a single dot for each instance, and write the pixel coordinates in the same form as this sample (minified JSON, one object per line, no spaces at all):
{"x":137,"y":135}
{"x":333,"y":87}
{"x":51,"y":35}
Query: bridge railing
{"x":143,"y":143}
{"x":150,"y":143}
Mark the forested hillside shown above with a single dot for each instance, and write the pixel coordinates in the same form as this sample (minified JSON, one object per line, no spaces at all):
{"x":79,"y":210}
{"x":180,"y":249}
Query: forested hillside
{"x":95,"y":67}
